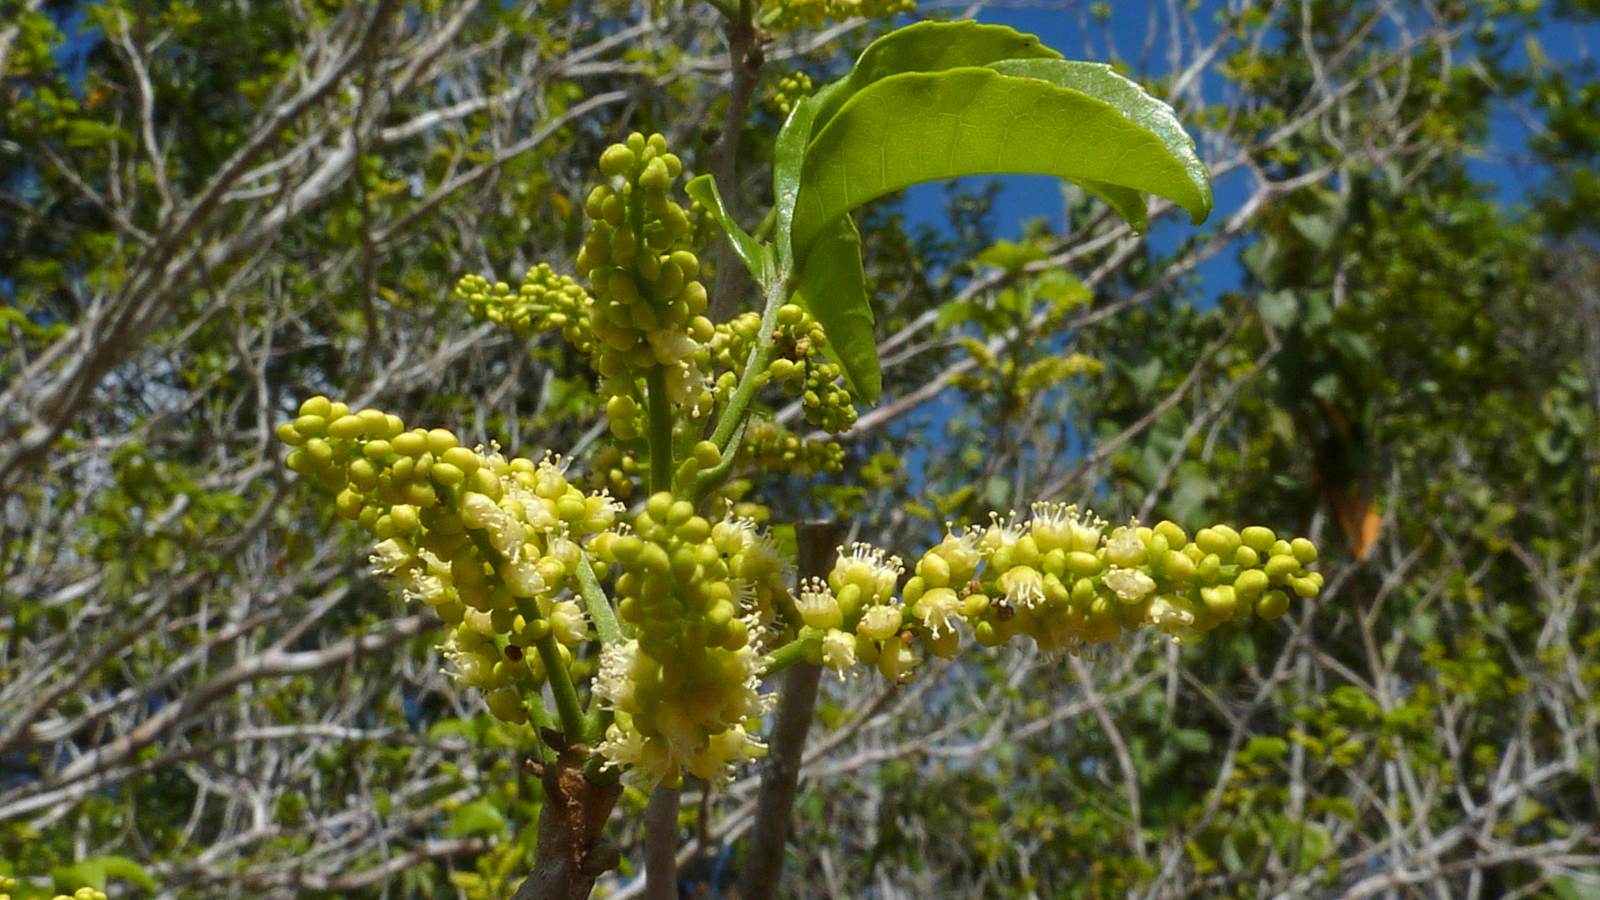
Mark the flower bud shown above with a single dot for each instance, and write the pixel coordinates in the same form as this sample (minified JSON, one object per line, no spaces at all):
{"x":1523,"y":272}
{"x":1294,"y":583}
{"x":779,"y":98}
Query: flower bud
{"x":1279,"y":567}
{"x":1220,"y":600}
{"x":1251,"y":583}
{"x":1258,"y":538}
{"x":1272,"y":605}
{"x":616,"y":160}
{"x":316,"y":406}
{"x":1304,"y":551}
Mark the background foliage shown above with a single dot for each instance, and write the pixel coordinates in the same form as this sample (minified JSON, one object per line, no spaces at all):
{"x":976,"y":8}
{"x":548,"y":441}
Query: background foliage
{"x":214,"y":210}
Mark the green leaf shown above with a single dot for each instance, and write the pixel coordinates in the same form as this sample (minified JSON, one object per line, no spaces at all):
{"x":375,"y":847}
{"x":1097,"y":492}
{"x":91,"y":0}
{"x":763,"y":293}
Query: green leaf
{"x":1011,"y":258}
{"x":479,"y":818}
{"x":85,"y":873}
{"x":1571,"y":889}
{"x":96,"y":870}
{"x":128,"y":870}
{"x":755,"y":257}
{"x":1015,"y":116}
{"x":932,"y":47}
{"x":833,"y":288}
{"x":953,"y":313}
{"x":788,"y":164}
{"x":1192,"y":191}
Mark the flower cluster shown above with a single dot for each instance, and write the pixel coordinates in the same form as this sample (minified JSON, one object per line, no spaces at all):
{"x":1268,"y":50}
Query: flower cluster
{"x":800,"y":366}
{"x":492,"y":544}
{"x":698,"y":598}
{"x":545,"y":301}
{"x":8,"y":884}
{"x":798,"y":363}
{"x":771,"y":447}
{"x":854,"y":616}
{"x":1060,"y":578}
{"x":503,"y":549}
{"x":787,"y":15}
{"x":648,"y":301}
{"x":614,"y":470}
{"x":790,"y":90}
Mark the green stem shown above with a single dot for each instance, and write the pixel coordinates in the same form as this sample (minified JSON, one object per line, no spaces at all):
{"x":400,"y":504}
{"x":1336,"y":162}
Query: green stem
{"x":768,"y":222}
{"x":567,"y":707}
{"x":784,"y":657}
{"x":572,"y":721}
{"x":660,"y":435}
{"x":755,"y":369}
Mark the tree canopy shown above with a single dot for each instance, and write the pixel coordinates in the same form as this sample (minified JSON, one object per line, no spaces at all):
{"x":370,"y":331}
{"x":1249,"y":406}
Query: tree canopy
{"x":213,"y":211}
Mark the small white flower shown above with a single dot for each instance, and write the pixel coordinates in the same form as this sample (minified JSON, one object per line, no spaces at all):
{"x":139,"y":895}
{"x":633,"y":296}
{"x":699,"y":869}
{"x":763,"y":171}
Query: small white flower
{"x":522,"y":577}
{"x":839,"y":651}
{"x":897,"y":661}
{"x":817,"y":605}
{"x":870,"y":569}
{"x":568,"y":624}
{"x":671,"y":346}
{"x":614,"y":682}
{"x":479,"y":511}
{"x":879,"y":622}
{"x":960,"y":549}
{"x":1065,"y":527}
{"x":1002,"y":532}
{"x":1023,"y":586}
{"x":686,"y":384}
{"x":1164,"y":614}
{"x":392,"y":555}
{"x":1130,"y":585}
{"x":938,"y":608}
{"x":1125,"y":548}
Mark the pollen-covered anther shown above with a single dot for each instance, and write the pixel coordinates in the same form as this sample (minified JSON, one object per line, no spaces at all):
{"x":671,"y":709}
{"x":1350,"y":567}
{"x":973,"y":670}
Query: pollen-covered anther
{"x":879,"y":622}
{"x":1064,"y":527}
{"x":938,"y":608}
{"x":839,"y":652}
{"x":817,"y":606}
{"x":1023,"y":586}
{"x":870,"y":569}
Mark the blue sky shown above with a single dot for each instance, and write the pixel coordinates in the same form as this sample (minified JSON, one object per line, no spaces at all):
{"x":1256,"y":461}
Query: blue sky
{"x":1128,"y":28}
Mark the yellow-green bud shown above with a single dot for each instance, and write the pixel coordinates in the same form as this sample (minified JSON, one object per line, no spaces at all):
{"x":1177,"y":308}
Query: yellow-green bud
{"x":1083,"y":564}
{"x":1250,"y":583}
{"x":1272,"y":605}
{"x":440,"y":440}
{"x":1282,"y":566}
{"x":1303,"y":550}
{"x":1258,"y":538}
{"x":616,"y":160}
{"x":411,"y":443}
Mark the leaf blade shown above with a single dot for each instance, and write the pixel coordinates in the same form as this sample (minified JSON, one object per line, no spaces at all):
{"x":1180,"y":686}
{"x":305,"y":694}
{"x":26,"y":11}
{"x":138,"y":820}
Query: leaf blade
{"x":917,"y":126}
{"x":703,"y":190}
{"x":833,"y":288}
{"x":932,"y":47}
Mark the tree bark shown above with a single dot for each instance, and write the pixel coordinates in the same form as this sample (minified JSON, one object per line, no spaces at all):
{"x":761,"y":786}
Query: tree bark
{"x":573,"y":851}
{"x":780,"y":775}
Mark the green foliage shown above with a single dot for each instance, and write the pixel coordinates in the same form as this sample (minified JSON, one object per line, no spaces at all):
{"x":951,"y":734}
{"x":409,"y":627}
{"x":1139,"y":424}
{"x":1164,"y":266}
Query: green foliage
{"x":1405,"y":372}
{"x":1000,"y":103}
